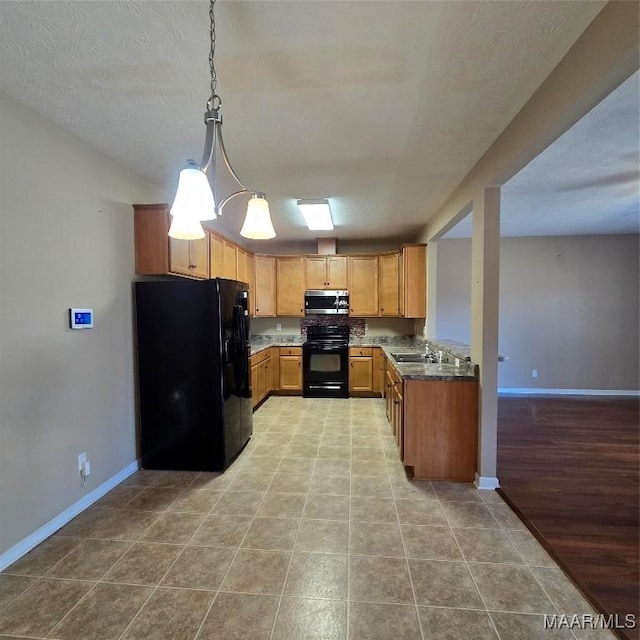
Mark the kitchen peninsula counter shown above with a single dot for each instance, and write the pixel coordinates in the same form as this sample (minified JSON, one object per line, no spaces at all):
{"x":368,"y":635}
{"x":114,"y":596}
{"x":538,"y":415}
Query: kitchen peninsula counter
{"x":391,"y":344}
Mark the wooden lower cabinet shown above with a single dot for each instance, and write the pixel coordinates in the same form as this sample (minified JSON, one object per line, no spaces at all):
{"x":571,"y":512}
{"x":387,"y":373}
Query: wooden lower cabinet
{"x":290,"y":369}
{"x":435,"y":425}
{"x":397,"y":417}
{"x":379,"y":368}
{"x":361,"y":370}
{"x":261,"y":376}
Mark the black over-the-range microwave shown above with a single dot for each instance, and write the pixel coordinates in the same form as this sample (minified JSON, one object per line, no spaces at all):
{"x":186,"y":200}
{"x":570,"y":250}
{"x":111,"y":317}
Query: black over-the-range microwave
{"x":318,"y":301}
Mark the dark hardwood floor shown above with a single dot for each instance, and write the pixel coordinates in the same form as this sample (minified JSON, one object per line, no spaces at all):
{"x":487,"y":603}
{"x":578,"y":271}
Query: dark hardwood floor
{"x":569,"y":465}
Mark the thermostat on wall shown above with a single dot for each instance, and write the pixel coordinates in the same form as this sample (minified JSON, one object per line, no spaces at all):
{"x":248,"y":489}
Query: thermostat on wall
{"x":81,"y":318}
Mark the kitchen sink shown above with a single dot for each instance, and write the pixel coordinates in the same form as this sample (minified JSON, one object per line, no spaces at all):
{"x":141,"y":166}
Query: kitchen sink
{"x":410,"y":357}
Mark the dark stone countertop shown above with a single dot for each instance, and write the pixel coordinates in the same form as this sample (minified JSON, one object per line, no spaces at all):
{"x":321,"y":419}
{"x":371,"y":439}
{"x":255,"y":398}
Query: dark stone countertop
{"x":390,"y":344}
{"x":430,"y":371}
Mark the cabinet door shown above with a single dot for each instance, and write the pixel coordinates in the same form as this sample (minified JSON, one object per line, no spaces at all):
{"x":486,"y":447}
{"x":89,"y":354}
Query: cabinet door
{"x":316,"y":273}
{"x":254,"y":385}
{"x":251,"y":281}
{"x":337,"y":271}
{"x":363,"y":285}
{"x":361,"y":374}
{"x":414,"y":259}
{"x":398,"y":419}
{"x":388,"y":284}
{"x":290,"y":373}
{"x":379,"y":361}
{"x":179,"y":257}
{"x":241,"y":265}
{"x":388,"y":396}
{"x":275,"y":368}
{"x":151,"y":226}
{"x":262,"y":380}
{"x":229,"y":266}
{"x":216,"y":249}
{"x":268,"y":377}
{"x":290,"y":288}
{"x":199,"y":257}
{"x":265,"y":296}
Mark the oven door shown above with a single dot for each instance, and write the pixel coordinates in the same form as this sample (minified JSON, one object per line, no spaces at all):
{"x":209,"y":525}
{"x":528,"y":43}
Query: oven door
{"x":325,"y":371}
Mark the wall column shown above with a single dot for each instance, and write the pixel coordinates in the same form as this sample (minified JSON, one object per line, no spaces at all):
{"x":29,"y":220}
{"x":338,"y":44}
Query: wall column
{"x":432,"y":289}
{"x":485,"y":267}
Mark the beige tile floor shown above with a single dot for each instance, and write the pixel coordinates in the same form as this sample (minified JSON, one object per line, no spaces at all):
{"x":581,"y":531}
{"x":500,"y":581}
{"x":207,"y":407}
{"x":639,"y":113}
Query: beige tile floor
{"x":315,"y":532}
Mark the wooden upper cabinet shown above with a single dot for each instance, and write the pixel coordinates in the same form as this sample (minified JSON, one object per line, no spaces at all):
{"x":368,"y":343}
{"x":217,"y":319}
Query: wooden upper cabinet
{"x":251,"y":281}
{"x":216,"y":250}
{"x":388,"y":284}
{"x":241,"y":265}
{"x":290,"y":290}
{"x":157,"y":254}
{"x":265,"y":286}
{"x":363,"y":286}
{"x":337,"y":272}
{"x":413,"y":291}
{"x":229,"y":261}
{"x":326,"y":272}
{"x":316,"y":273}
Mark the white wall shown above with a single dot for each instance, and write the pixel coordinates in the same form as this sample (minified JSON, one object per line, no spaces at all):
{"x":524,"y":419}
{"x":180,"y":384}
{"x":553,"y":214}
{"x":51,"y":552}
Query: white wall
{"x":66,"y":240}
{"x":569,"y":308}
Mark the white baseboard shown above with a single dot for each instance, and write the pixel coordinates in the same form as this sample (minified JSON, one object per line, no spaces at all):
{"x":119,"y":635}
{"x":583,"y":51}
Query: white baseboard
{"x":26,"y":544}
{"x":486,"y":483}
{"x":531,"y":391}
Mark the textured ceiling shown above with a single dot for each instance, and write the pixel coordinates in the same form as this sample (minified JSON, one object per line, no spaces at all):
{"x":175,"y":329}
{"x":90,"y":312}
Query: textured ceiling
{"x":586,"y":182}
{"x":381,"y":106}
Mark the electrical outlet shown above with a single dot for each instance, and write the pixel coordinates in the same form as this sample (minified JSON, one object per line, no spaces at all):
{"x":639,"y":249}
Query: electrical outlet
{"x":86,"y":469}
{"x":82,"y":460}
{"x":534,"y":373}
{"x":278,"y":326}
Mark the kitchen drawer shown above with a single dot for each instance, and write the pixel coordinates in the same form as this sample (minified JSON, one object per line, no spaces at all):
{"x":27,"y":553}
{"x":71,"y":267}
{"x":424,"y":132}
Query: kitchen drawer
{"x":360,"y":351}
{"x":261,"y":356}
{"x":290,"y":351}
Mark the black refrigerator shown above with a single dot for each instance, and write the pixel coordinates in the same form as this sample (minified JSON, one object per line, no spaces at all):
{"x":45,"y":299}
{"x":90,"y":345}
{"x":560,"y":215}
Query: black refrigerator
{"x":193,"y":373}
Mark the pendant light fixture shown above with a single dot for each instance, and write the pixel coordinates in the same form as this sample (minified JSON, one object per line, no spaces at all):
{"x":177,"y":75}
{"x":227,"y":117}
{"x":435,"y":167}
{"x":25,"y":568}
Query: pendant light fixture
{"x":196,"y":197}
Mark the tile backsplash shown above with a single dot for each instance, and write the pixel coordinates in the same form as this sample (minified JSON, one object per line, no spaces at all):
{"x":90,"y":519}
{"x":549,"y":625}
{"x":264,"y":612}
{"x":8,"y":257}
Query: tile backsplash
{"x":356,"y":325}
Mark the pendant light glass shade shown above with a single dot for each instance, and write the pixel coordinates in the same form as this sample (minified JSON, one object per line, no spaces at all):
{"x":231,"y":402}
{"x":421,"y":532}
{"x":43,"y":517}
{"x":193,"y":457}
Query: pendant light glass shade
{"x":194,"y":198}
{"x":185,"y":227}
{"x":257,"y":223}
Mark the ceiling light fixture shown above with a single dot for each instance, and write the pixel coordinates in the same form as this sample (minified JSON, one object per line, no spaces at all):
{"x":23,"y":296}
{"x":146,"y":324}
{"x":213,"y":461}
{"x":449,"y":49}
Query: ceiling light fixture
{"x":196,"y":197}
{"x":317,"y":214}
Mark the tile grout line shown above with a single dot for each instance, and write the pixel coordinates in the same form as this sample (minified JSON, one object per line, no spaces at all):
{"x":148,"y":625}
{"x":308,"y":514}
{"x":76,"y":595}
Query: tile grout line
{"x":348,"y":626}
{"x":184,"y":546}
{"x":466,"y":564}
{"x":295,"y":541}
{"x":406,"y":560}
{"x":235,"y":555}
